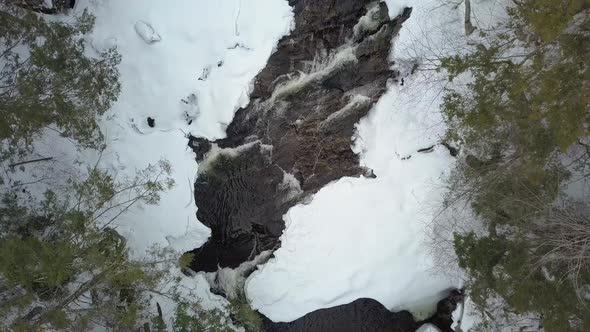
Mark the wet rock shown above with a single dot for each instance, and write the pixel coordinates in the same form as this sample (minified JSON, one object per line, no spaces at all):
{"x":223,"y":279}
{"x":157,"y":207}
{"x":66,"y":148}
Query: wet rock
{"x":244,"y":196}
{"x":324,"y":77}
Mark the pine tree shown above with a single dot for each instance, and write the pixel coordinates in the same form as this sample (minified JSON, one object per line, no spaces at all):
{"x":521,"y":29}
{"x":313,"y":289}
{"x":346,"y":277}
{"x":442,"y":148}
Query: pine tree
{"x":63,"y":267}
{"x":523,"y":122}
{"x":47,"y":81}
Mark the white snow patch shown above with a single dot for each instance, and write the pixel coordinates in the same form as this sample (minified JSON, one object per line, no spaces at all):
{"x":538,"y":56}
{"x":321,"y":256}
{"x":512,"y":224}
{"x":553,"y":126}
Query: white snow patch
{"x":147,"y":32}
{"x":367,"y":22}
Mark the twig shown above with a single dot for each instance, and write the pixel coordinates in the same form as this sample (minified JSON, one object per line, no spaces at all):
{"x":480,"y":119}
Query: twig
{"x":30,"y":161}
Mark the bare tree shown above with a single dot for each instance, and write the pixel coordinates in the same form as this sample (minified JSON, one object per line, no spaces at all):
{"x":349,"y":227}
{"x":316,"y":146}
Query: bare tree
{"x":564,"y":239}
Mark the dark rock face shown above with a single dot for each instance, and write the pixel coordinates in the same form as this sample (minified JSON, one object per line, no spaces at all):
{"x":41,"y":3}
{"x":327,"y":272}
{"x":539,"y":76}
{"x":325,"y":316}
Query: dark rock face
{"x":59,"y":6}
{"x":443,"y":319}
{"x":369,"y":315}
{"x":293,"y":139}
{"x":243,"y":196}
{"x":362,"y":315}
{"x":295,"y":135}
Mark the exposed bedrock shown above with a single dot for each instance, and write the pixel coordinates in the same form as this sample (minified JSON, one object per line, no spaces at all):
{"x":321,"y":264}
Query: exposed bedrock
{"x":295,"y":136}
{"x":362,"y":315}
{"x":368,"y":315}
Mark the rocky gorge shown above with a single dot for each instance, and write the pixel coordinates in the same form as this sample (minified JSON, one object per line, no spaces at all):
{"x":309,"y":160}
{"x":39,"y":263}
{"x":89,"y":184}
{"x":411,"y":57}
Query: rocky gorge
{"x":295,"y":137}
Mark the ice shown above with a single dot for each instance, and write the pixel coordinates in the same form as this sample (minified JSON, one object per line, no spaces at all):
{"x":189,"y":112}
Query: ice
{"x":319,"y":69}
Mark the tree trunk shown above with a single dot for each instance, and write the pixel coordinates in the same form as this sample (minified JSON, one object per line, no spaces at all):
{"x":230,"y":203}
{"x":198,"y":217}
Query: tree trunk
{"x":469,"y":28}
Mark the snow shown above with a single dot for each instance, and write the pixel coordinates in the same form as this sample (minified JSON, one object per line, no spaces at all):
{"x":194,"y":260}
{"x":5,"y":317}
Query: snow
{"x":165,"y":48}
{"x":367,"y":22}
{"x":147,"y":32}
{"x":428,"y":328}
{"x":466,"y":315}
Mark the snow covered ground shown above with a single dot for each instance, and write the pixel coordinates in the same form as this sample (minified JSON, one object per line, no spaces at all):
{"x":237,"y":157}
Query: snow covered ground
{"x":187,"y":65}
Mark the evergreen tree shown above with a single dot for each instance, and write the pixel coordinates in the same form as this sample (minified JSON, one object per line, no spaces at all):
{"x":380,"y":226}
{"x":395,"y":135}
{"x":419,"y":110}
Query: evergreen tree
{"x":47,"y":81}
{"x":63,"y":266}
{"x":523,"y":122}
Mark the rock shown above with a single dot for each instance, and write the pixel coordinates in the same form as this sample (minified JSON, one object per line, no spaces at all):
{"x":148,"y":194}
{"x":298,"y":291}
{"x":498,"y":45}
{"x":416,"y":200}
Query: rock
{"x":453,"y":151}
{"x":151,"y":122}
{"x":200,"y":146}
{"x":370,"y":315}
{"x":238,"y":193}
{"x":324,"y":77}
{"x":443,"y":318}
{"x":48,"y":7}
{"x":147,"y":32}
{"x":362,"y":315}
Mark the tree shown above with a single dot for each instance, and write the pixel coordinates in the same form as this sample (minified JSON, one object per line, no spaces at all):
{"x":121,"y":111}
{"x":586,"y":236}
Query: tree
{"x":47,"y":81}
{"x":522,"y":120}
{"x":63,"y":267}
